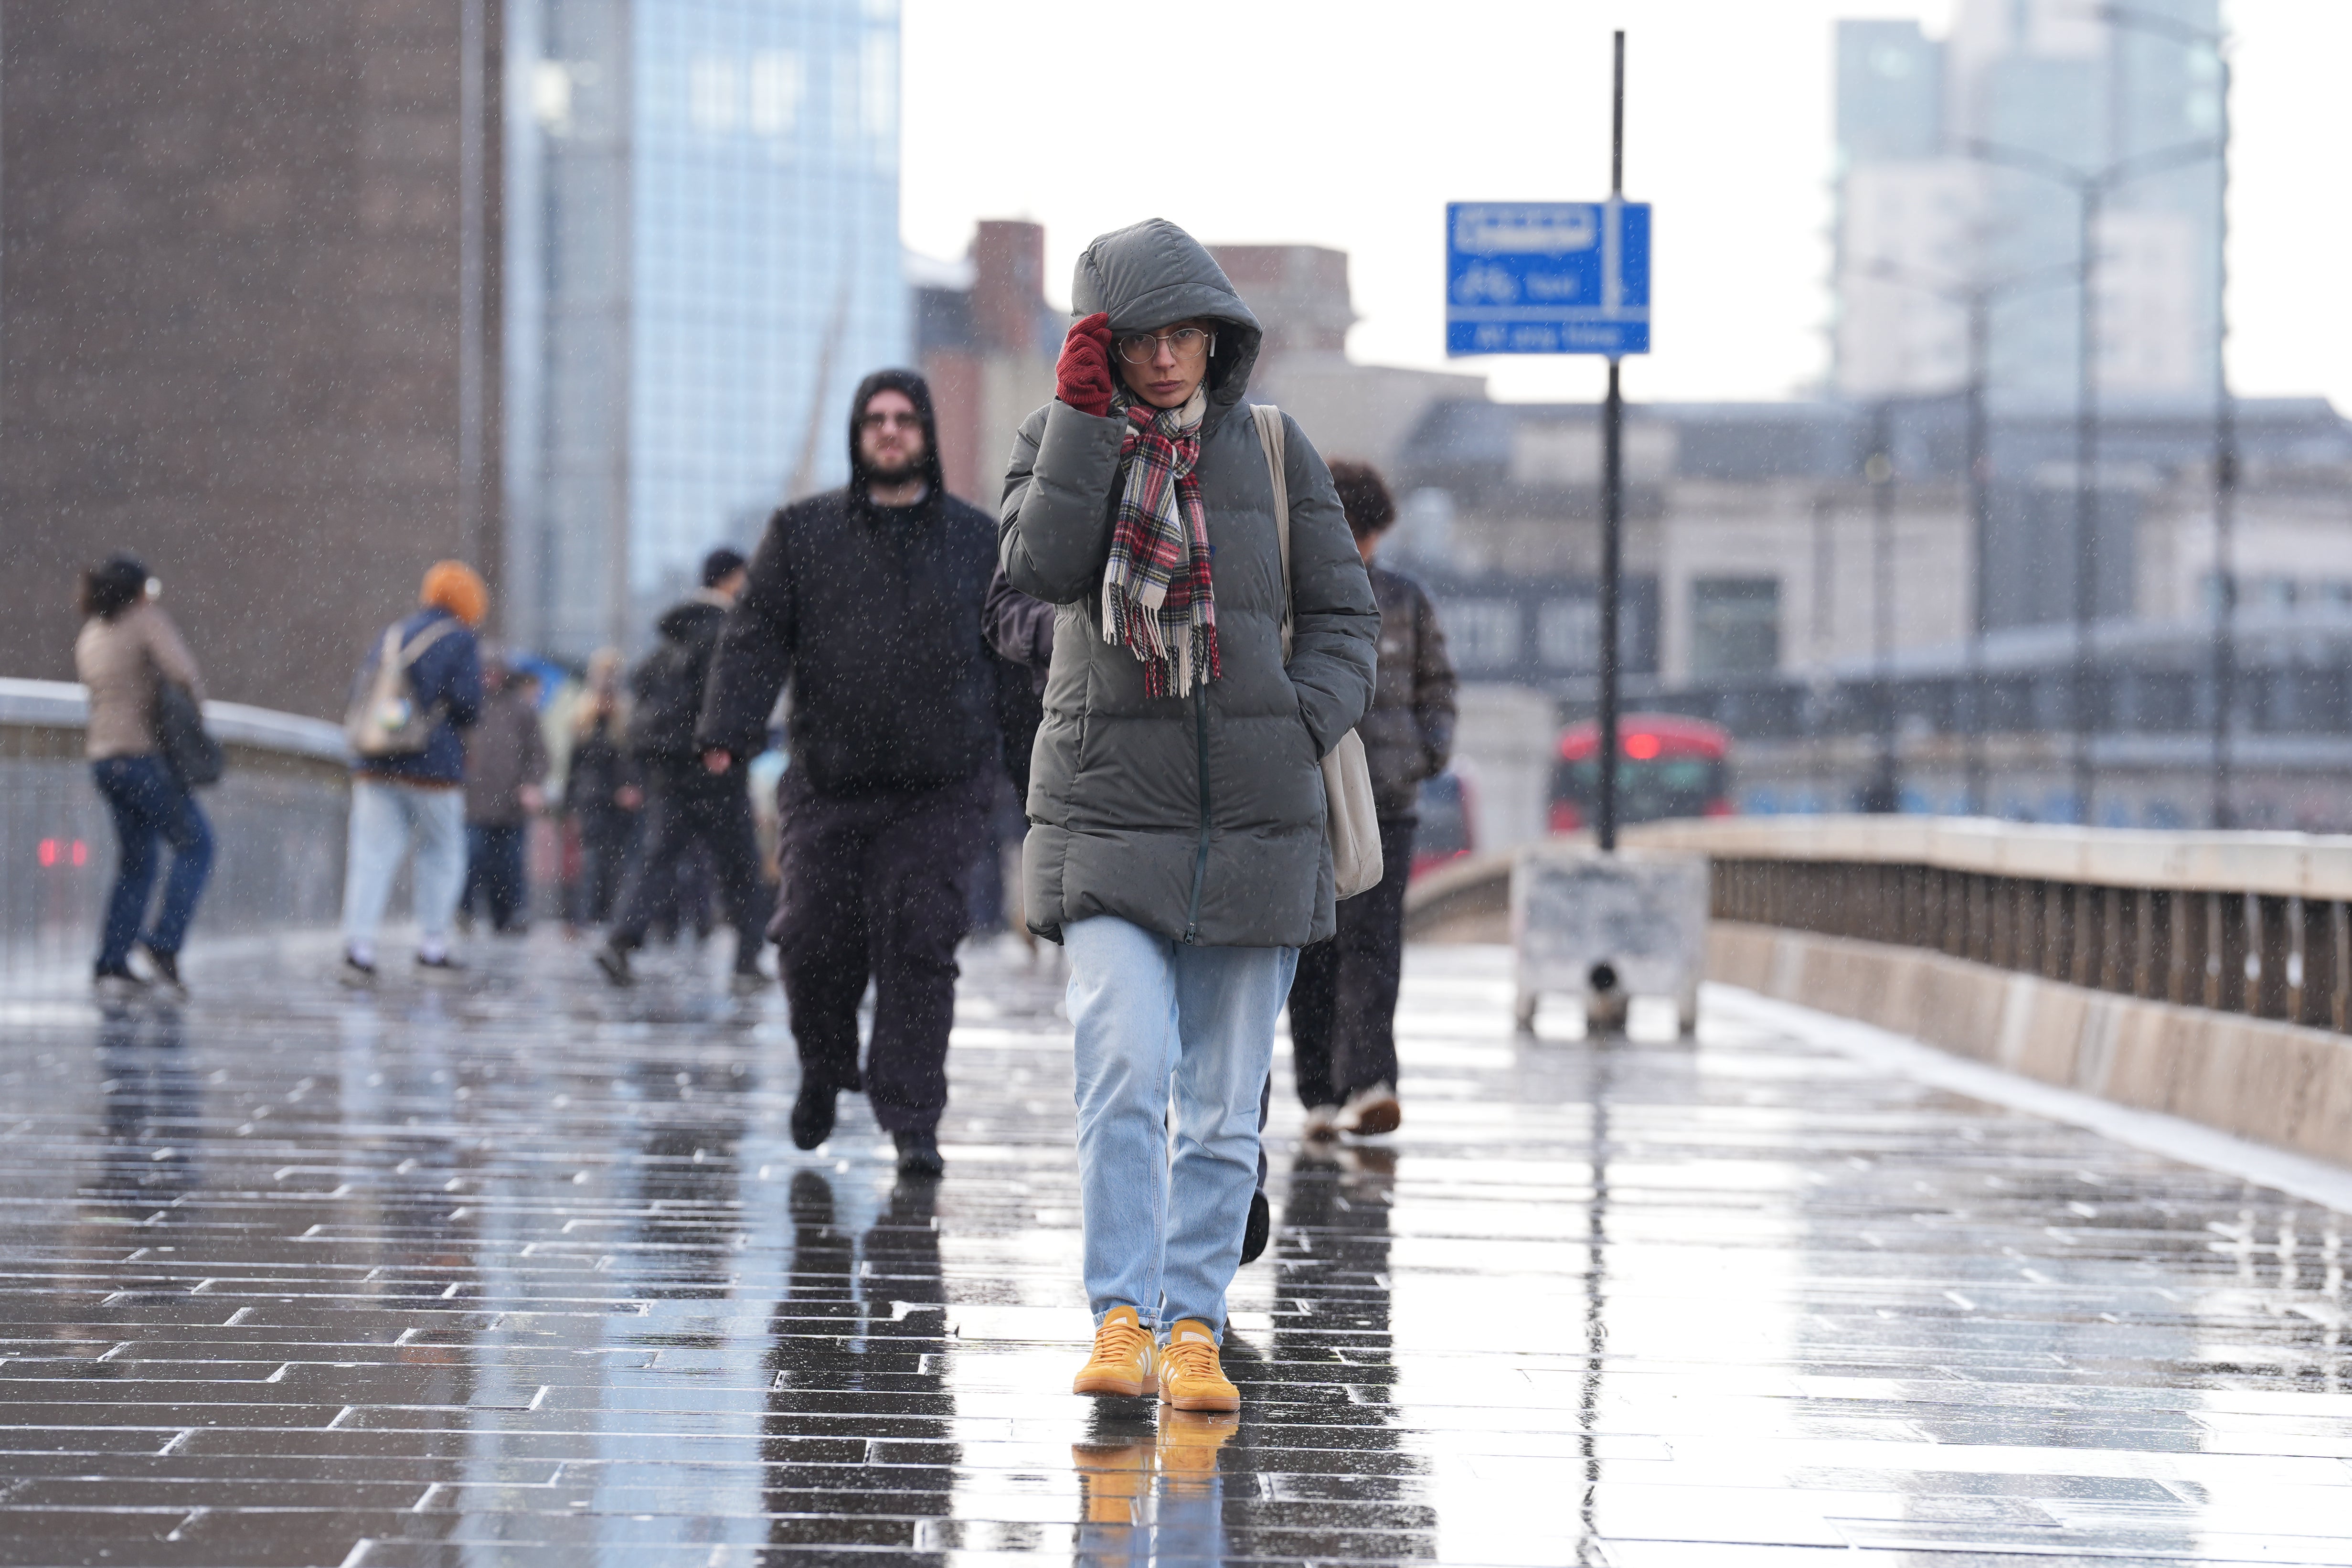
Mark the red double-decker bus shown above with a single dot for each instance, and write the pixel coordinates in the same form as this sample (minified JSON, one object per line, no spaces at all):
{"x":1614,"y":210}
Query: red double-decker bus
{"x":1667,"y":765}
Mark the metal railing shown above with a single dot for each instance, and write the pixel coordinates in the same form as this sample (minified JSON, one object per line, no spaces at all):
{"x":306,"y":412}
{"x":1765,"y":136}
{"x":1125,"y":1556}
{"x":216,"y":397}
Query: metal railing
{"x":278,"y":821}
{"x":2259,"y":923}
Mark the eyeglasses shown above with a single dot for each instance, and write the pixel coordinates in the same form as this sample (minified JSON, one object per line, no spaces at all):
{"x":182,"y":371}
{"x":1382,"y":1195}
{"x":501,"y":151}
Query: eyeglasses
{"x":1142,"y":348}
{"x":886,"y":421}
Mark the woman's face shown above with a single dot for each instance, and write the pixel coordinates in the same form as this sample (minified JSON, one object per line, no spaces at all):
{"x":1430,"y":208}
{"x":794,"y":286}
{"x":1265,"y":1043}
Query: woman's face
{"x":1162,"y":367}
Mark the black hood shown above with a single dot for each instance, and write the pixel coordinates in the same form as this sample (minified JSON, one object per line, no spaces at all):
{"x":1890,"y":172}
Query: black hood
{"x":918,"y":392}
{"x":691,"y":620}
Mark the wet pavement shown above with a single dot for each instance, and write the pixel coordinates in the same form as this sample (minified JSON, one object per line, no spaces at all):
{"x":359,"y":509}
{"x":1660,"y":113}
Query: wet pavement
{"x":527,"y":1271}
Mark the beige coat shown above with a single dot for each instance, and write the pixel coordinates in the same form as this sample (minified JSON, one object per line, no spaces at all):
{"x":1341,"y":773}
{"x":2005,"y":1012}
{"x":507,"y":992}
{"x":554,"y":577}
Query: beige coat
{"x":120,"y":660}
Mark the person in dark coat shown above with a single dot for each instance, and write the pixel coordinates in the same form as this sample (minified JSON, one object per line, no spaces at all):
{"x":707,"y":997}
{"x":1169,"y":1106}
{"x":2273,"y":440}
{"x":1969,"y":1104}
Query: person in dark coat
{"x":1343,"y":998}
{"x":1020,"y":630}
{"x":868,"y":599}
{"x":506,"y":766}
{"x":601,"y":792}
{"x":1177,"y":843}
{"x":685,"y":803}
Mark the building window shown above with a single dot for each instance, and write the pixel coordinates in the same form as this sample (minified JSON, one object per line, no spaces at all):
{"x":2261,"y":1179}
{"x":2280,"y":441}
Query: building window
{"x":711,"y":93}
{"x":1735,"y":626}
{"x":1482,"y":635}
{"x":776,"y":87}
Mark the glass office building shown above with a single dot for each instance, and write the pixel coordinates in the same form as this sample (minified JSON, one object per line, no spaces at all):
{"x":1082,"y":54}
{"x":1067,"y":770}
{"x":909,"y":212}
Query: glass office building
{"x":1929,"y":132}
{"x":702,"y":235}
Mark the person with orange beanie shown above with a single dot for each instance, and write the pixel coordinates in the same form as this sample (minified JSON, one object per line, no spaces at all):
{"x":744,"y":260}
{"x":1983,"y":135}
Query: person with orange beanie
{"x":418,"y":685}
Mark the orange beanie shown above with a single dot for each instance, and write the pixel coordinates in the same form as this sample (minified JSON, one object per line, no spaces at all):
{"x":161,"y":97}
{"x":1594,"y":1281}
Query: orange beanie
{"x":453,"y":587}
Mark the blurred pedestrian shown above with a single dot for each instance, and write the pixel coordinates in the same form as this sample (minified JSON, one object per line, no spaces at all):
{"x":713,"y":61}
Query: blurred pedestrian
{"x":869,"y":599}
{"x":601,"y":793}
{"x":1177,"y":838}
{"x":420,"y":686}
{"x":1343,"y":1000}
{"x":1020,"y":630}
{"x":685,"y":803}
{"x":506,"y":769}
{"x":128,"y":648}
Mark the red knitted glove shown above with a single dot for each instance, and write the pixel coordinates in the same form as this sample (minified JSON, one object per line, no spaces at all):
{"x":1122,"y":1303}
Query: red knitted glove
{"x":1082,"y":379}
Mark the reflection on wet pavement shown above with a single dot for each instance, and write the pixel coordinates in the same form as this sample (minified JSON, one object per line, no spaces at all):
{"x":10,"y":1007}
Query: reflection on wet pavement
{"x":528,"y":1271}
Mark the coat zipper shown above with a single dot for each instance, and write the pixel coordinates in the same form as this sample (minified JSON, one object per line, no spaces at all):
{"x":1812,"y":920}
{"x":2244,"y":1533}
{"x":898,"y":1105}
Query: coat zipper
{"x":1200,"y":856}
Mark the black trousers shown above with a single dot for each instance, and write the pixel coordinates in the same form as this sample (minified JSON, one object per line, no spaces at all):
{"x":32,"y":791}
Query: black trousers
{"x":1343,"y":997}
{"x":603,"y":859}
{"x":495,"y":874}
{"x":682,"y":809}
{"x":878,"y":886}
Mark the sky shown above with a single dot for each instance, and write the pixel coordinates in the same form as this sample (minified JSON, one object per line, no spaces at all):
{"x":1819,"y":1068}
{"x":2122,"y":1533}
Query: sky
{"x":1352,"y":124}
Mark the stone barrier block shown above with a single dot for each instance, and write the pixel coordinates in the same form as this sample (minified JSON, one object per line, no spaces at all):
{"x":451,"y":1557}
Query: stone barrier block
{"x":1608,"y":927}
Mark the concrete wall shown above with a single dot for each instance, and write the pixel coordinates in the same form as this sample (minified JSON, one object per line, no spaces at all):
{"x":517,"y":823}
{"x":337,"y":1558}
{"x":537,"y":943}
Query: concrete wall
{"x":2275,"y":1082}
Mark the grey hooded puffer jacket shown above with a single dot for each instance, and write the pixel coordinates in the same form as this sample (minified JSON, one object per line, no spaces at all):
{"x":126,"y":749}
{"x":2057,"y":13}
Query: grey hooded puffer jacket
{"x":1200,"y":817}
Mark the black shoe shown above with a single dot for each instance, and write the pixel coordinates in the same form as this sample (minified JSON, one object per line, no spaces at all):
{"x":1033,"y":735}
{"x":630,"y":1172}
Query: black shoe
{"x":166,"y":967}
{"x":919,"y":1153}
{"x":355,"y":975}
{"x":812,"y":1114}
{"x":448,"y":963}
{"x":1260,"y":1225}
{"x":614,"y":960}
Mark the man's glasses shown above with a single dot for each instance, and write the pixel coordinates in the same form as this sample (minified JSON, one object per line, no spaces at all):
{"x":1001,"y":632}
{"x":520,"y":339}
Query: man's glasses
{"x":886,"y":421}
{"x":1142,"y":348}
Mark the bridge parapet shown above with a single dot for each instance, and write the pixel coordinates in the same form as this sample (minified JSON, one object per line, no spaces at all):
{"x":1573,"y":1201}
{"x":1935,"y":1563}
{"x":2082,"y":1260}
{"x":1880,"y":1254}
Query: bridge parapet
{"x":278,"y":816}
{"x":2252,"y":922}
{"x":2204,"y":974}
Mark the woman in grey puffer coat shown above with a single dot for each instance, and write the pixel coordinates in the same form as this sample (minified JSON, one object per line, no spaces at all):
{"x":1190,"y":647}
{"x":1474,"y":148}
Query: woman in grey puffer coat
{"x":1176,"y":803}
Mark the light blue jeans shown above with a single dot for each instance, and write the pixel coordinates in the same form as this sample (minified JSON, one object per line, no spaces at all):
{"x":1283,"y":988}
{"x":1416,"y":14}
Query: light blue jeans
{"x":384,"y":816}
{"x":1164,"y":1234}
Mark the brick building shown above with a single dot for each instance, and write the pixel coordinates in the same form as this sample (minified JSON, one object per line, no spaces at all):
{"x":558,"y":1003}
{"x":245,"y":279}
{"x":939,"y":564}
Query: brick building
{"x":248,"y":320}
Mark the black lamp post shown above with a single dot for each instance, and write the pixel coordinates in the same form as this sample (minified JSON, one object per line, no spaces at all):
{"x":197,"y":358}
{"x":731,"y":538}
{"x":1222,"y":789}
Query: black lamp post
{"x":2225,"y":410}
{"x":1978,"y":299}
{"x":2091,"y":188}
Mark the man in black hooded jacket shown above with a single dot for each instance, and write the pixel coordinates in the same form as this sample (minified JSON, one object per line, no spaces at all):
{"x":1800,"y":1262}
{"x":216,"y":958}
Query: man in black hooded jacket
{"x":868,"y":599}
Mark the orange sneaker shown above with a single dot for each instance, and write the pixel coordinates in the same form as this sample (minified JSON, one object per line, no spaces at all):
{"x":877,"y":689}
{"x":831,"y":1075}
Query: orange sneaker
{"x":1191,"y":1378}
{"x":1189,"y":1441}
{"x":1114,"y":1482}
{"x":1125,"y":1360}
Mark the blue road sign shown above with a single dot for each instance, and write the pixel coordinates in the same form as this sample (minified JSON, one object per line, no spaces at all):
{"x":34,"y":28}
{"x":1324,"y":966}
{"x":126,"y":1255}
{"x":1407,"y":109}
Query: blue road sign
{"x":1548,"y":278}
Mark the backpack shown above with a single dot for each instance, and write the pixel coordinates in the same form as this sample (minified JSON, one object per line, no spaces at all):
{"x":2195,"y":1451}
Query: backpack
{"x":383,"y":720}
{"x":668,"y":689}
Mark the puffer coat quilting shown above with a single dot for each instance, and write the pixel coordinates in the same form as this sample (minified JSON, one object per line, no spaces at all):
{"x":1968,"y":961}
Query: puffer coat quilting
{"x":1200,"y":819}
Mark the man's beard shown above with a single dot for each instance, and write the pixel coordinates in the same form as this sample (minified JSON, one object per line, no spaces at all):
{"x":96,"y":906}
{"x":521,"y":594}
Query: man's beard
{"x":897,"y":473}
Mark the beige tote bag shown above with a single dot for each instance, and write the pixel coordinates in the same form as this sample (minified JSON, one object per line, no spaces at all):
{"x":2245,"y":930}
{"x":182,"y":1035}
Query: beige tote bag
{"x":1350,"y":821}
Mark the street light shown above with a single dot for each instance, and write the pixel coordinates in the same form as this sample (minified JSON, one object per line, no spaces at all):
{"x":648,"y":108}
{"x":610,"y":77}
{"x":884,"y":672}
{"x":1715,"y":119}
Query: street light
{"x":1883,"y":792}
{"x":2091,"y":187}
{"x":2225,"y":408}
{"x":1979,"y":299}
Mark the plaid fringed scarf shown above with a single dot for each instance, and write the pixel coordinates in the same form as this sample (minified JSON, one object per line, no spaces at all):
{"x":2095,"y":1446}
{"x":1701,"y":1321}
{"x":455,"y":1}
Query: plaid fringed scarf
{"x":1156,"y":595}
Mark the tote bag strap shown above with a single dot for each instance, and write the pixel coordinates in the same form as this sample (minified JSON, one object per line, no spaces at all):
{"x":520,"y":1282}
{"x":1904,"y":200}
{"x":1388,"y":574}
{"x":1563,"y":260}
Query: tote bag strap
{"x":1270,"y":440}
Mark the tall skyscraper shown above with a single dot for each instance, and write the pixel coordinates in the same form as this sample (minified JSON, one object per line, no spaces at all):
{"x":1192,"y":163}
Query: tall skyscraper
{"x":704,"y":258}
{"x":1929,"y":133}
